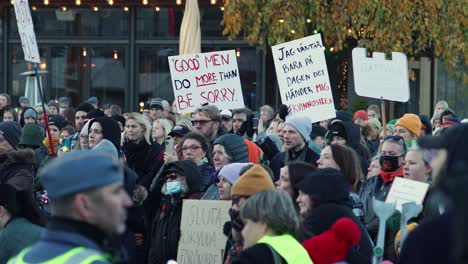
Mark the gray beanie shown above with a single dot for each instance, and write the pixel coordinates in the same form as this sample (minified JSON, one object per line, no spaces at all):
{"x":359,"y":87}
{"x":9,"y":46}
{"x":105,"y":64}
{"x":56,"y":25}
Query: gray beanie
{"x":30,"y":112}
{"x":156,"y":103}
{"x":235,"y":147}
{"x":302,"y":124}
{"x":11,"y":131}
{"x":105,"y":146}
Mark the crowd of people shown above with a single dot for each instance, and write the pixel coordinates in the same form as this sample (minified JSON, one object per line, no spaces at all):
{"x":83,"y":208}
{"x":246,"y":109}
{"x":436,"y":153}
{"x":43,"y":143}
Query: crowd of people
{"x":91,"y":184}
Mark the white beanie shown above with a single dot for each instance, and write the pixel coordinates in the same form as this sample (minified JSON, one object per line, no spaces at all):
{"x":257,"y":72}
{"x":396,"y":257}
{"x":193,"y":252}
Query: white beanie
{"x":231,"y":172}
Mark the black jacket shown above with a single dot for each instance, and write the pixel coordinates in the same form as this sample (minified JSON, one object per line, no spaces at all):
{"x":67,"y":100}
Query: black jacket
{"x":283,"y":157}
{"x":353,"y":133}
{"x":165,"y":230}
{"x":259,"y":253}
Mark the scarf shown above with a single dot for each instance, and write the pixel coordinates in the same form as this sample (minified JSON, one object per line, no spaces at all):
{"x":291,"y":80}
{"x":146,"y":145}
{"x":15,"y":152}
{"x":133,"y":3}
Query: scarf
{"x":46,"y":143}
{"x":389,"y":176}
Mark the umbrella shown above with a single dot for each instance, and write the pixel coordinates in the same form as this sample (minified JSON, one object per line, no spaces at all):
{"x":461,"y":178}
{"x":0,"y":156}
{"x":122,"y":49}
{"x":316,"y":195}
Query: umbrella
{"x":190,"y":34}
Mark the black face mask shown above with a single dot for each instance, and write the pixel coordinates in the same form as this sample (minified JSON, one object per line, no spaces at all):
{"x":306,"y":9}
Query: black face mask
{"x":236,"y":221}
{"x":389,"y":163}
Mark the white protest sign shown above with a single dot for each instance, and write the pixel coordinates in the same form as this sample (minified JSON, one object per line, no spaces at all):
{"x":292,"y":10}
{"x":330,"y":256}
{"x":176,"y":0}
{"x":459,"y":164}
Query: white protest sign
{"x":202,"y":240}
{"x":303,"y":79}
{"x":380,"y":78}
{"x":405,"y":191}
{"x":211,"y":77}
{"x":26,"y":31}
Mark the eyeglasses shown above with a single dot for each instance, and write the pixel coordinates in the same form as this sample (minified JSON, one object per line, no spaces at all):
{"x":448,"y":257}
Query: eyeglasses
{"x":191,"y":148}
{"x":201,"y":122}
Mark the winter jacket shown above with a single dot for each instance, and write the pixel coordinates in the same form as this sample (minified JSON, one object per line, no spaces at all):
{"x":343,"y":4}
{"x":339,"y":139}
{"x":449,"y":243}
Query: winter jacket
{"x":16,"y":235}
{"x":17,"y":168}
{"x":165,"y":229}
{"x":306,"y":155}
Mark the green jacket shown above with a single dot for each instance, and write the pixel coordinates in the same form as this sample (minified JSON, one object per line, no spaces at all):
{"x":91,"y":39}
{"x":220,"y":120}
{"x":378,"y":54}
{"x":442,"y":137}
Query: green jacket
{"x":18,"y":234}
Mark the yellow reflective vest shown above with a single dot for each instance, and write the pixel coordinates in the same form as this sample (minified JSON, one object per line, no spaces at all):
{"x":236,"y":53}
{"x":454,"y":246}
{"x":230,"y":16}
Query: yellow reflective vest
{"x":288,"y":248}
{"x":77,"y":255}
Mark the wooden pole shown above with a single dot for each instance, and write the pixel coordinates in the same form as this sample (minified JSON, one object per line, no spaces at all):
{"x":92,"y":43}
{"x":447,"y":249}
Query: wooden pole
{"x":383,"y":115}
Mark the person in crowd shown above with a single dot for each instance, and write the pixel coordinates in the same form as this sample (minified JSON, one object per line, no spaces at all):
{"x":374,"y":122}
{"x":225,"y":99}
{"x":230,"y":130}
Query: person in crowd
{"x":270,"y":225}
{"x":370,"y":131}
{"x":40,"y":116}
{"x":83,"y":138}
{"x":81,"y":111}
{"x":373,"y":111}
{"x":104,"y":128}
{"x":160,"y":130}
{"x":409,"y":127}
{"x":291,"y":175}
{"x":23,"y":102}
{"x":374,"y":167}
{"x":255,"y":179}
{"x":443,"y":239}
{"x":89,"y":206}
{"x":17,"y":167}
{"x":5,"y":103}
{"x":146,"y":110}
{"x":297,"y":130}
{"x":66,"y":132}
{"x":333,"y":245}
{"x":441,"y":106}
{"x":28,"y":115}
{"x":120,"y":121}
{"x":229,"y":148}
{"x":226,"y":120}
{"x":106,"y":109}
{"x":64,"y":103}
{"x":239,"y":116}
{"x":275,"y":127}
{"x":166,"y":108}
{"x":267,"y":113}
{"x":54,"y":108}
{"x":347,"y":133}
{"x":196,"y":148}
{"x":9,"y":115}
{"x":49,"y":147}
{"x":360,"y":116}
{"x":69,"y":115}
{"x":183,"y":181}
{"x":417,"y":165}
{"x":177,"y":134}
{"x":93,"y":100}
{"x":426,"y":126}
{"x":323,"y":199}
{"x":345,"y":160}
{"x":207,"y":121}
{"x":31,"y":137}
{"x":228,"y":175}
{"x":142,"y":157}
{"x":21,"y":221}
{"x":436,"y":122}
{"x":156,"y":109}
{"x":446,"y":114}
{"x":317,"y":137}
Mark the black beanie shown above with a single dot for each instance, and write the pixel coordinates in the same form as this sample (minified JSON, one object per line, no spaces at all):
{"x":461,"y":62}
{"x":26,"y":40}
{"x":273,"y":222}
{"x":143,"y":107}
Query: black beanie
{"x":11,"y":131}
{"x":325,"y":186}
{"x":317,"y":131}
{"x":58,"y":121}
{"x":426,"y":124}
{"x":95,"y":113}
{"x":235,"y":147}
{"x":110,"y":129}
{"x":85,"y":107}
{"x":338,"y":129}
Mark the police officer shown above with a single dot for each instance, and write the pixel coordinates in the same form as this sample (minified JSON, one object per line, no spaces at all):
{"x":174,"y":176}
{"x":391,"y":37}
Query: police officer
{"x":89,"y":205}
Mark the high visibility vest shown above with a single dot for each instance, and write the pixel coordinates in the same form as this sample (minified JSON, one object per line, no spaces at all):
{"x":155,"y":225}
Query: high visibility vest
{"x":77,"y":255}
{"x":288,"y":248}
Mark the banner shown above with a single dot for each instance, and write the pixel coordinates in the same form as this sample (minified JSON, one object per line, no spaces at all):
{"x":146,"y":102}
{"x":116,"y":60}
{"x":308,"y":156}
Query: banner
{"x":380,"y":78}
{"x":26,"y":31}
{"x":202,"y":240}
{"x":211,"y":78}
{"x":303,"y":79}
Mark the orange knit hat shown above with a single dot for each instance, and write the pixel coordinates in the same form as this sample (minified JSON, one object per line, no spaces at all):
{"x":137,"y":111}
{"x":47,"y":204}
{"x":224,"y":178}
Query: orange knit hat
{"x":410,"y":122}
{"x":254,"y":180}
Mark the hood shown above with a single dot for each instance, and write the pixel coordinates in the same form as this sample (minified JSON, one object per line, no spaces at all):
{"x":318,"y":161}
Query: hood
{"x":325,"y":186}
{"x":352,"y":131}
{"x":190,"y":170}
{"x":110,"y":129}
{"x":21,"y":156}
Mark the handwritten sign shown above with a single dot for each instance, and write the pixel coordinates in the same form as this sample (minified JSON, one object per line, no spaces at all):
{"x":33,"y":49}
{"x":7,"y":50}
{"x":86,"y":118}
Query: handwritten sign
{"x":405,"y":190}
{"x":378,"y":77}
{"x":211,"y":77}
{"x":303,"y":79}
{"x":26,"y":31}
{"x":202,"y":240}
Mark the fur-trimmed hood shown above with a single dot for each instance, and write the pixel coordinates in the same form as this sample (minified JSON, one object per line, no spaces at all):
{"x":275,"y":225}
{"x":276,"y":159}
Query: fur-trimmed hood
{"x":22,"y":156}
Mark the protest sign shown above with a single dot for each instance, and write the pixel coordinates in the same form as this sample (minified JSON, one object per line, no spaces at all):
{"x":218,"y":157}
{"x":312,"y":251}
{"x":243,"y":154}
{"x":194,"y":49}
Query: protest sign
{"x":202,"y":240}
{"x":211,"y":77}
{"x":26,"y":31}
{"x":405,"y":190}
{"x":380,"y":78}
{"x":303,"y":79}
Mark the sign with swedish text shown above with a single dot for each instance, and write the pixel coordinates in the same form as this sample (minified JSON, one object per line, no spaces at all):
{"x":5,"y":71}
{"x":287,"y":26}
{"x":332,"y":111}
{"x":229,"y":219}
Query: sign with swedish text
{"x":26,"y":31}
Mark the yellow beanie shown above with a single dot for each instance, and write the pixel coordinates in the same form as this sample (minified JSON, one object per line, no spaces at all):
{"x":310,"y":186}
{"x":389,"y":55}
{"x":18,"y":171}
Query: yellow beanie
{"x":254,"y":180}
{"x":410,"y":122}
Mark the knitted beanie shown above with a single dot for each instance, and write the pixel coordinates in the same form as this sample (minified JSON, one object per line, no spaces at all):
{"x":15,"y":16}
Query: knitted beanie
{"x":235,"y":147}
{"x":58,"y":121}
{"x":302,"y":124}
{"x":31,"y":135}
{"x":375,"y":123}
{"x":338,"y":129}
{"x":254,"y":180}
{"x":84,"y":107}
{"x":54,"y":104}
{"x":156,"y":103}
{"x":30,"y":112}
{"x":23,"y":99}
{"x":11,"y":131}
{"x":410,"y":122}
{"x":362,"y":114}
{"x":333,"y":245}
{"x":231,"y":172}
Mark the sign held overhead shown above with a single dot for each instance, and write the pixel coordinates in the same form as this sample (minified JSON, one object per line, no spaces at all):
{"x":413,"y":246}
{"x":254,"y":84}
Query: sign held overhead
{"x":26,"y":31}
{"x":380,"y":78}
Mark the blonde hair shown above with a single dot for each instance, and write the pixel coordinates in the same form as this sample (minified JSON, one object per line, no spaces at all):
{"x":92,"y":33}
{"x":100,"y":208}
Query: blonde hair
{"x":165,"y":124}
{"x":142,"y":121}
{"x":278,"y":122}
{"x":185,"y":122}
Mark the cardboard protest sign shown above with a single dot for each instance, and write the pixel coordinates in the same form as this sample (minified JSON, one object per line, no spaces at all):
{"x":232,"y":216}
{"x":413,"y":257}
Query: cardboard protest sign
{"x":405,"y":190}
{"x":380,"y":78}
{"x":202,"y":240}
{"x":303,"y":79}
{"x":211,"y":77}
{"x":26,"y":31}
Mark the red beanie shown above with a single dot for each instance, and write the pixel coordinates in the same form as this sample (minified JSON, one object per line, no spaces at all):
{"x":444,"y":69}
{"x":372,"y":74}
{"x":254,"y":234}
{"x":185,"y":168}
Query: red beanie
{"x":362,"y":114}
{"x":333,"y":245}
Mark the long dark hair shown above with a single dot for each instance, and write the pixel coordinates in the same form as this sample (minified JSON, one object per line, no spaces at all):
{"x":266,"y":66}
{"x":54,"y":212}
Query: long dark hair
{"x":297,"y":170}
{"x":349,"y":163}
{"x":203,"y":142}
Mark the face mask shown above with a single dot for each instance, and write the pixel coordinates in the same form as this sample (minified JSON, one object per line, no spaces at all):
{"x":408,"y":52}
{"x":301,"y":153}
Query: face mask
{"x":389,"y":163}
{"x":173,"y":188}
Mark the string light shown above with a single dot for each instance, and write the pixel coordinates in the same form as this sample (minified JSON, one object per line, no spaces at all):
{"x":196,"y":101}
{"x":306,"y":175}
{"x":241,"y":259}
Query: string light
{"x":309,"y":20}
{"x":332,"y":49}
{"x":213,"y":2}
{"x":237,"y":53}
{"x":293,"y":31}
{"x":222,"y":8}
{"x":64,"y":8}
{"x":46,"y":2}
{"x":116,"y":55}
{"x":95,"y":8}
{"x":145,"y":2}
{"x":157,"y":9}
{"x":343,"y":86}
{"x":78,"y":2}
{"x":34,"y":8}
{"x":85,"y":52}
{"x":125,"y":8}
{"x":178,"y":2}
{"x":12,"y":2}
{"x":111,"y":2}
{"x":315,"y":31}
{"x":281,"y":20}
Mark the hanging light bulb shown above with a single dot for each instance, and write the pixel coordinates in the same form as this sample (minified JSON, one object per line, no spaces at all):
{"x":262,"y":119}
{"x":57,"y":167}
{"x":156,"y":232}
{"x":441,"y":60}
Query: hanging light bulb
{"x":64,"y":8}
{"x":222,"y":8}
{"x":125,"y":8}
{"x":85,"y":52}
{"x":78,"y":2}
{"x":116,"y":55}
{"x":178,"y":2}
{"x":293,"y":31}
{"x":12,"y":2}
{"x":157,"y":9}
{"x":95,"y":8}
{"x":34,"y":8}
{"x":111,"y":2}
{"x":213,"y":2}
{"x":309,"y":20}
{"x":145,"y":2}
{"x":46,"y":2}
{"x":237,"y":53}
